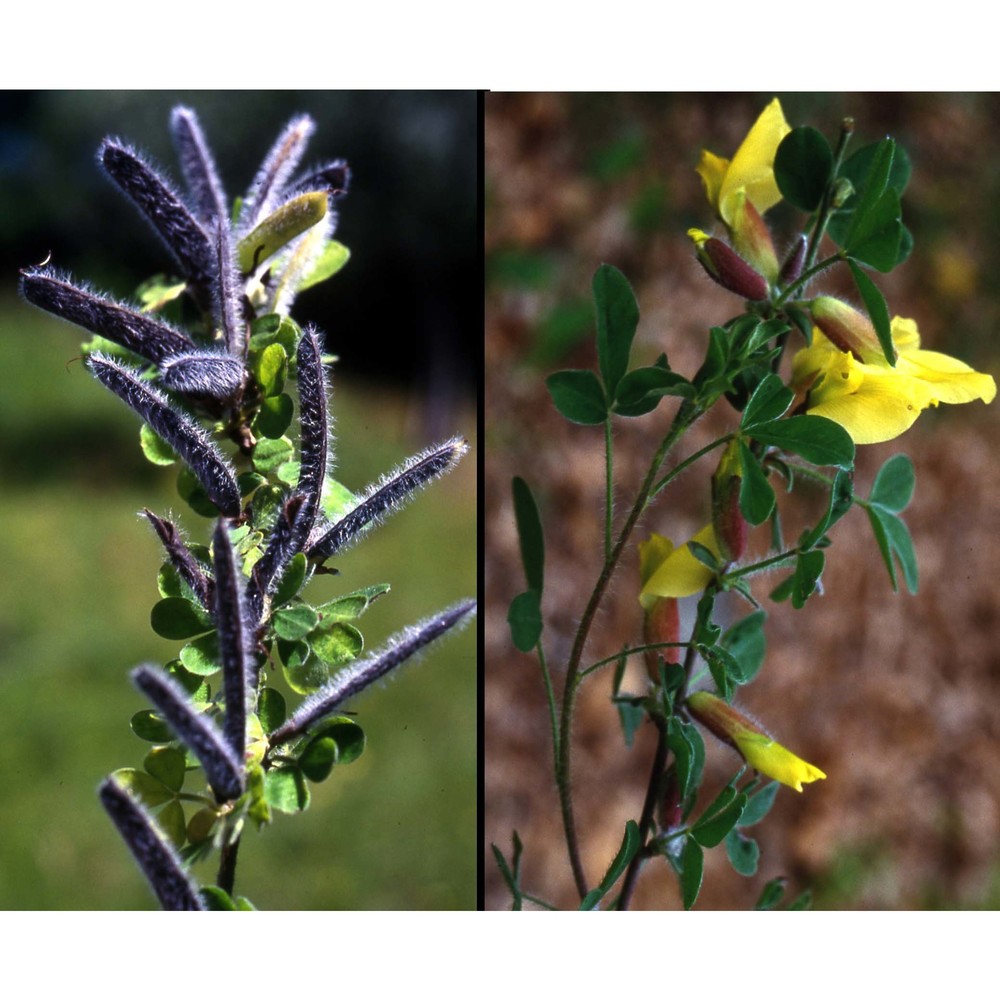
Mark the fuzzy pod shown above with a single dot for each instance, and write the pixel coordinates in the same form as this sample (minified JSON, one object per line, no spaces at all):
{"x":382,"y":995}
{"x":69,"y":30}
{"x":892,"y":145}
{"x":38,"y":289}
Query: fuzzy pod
{"x":333,"y":177}
{"x":731,"y":528}
{"x":314,"y":426}
{"x":285,"y":543}
{"x":235,"y":638}
{"x":661,"y":623}
{"x":156,"y":857}
{"x":388,"y":495}
{"x":150,"y":338}
{"x":791,"y":269}
{"x":203,"y":373}
{"x":284,"y":156}
{"x":188,"y":568}
{"x":361,"y":674}
{"x":223,"y":768}
{"x":176,"y":428}
{"x":208,"y":199}
{"x":227,"y":292}
{"x":164,"y":209}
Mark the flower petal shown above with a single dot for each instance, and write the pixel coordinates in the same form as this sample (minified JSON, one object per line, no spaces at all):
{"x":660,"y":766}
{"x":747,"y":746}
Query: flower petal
{"x":774,"y":760}
{"x":752,"y":168}
{"x":680,"y":574}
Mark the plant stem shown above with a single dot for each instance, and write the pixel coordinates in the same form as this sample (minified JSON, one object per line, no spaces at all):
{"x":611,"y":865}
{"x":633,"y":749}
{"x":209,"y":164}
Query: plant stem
{"x":550,"y":696}
{"x":686,"y":415}
{"x":608,"y":486}
{"x":646,"y":819}
{"x":227,"y":867}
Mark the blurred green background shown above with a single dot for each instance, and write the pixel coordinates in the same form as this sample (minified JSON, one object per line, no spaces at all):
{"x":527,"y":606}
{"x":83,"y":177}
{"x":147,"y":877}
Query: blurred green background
{"x":397,"y":829}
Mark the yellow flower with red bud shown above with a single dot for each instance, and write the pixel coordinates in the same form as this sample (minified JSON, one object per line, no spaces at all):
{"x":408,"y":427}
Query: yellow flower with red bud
{"x":742,"y":189}
{"x":844,"y":375}
{"x":731,"y":529}
{"x":725,"y":266}
{"x":761,"y":752}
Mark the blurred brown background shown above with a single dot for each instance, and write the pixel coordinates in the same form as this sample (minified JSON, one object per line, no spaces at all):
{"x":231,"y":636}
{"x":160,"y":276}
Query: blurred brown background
{"x":894,"y":696}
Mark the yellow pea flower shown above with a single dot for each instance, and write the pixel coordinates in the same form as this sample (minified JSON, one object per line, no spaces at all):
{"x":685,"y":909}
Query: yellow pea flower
{"x":742,"y":189}
{"x":757,"y":748}
{"x":845,"y":377}
{"x":667,"y":571}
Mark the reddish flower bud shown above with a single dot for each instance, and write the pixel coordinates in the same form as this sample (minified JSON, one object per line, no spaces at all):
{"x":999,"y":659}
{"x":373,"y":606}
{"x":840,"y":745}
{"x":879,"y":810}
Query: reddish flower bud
{"x":791,"y":270}
{"x":725,"y":266}
{"x":661,"y":624}
{"x":731,"y":529}
{"x":846,"y":328}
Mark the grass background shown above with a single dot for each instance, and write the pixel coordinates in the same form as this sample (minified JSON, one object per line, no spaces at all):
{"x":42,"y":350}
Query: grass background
{"x":397,"y":829}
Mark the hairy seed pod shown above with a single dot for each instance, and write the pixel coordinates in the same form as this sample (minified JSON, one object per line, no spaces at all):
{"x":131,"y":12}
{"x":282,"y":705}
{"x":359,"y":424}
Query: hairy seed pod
{"x":357,"y":676}
{"x":389,"y":494}
{"x":203,"y":373}
{"x":188,"y":568}
{"x":150,"y":338}
{"x":176,"y":428}
{"x":208,"y":199}
{"x":266,"y":190}
{"x":154,"y":854}
{"x":223,"y":768}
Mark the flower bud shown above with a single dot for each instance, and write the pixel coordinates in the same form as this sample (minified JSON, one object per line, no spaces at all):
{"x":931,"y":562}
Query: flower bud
{"x":845,"y":327}
{"x":662,"y":623}
{"x":725,"y":266}
{"x":751,"y":238}
{"x":791,"y":270}
{"x":730,"y":525}
{"x":757,"y":748}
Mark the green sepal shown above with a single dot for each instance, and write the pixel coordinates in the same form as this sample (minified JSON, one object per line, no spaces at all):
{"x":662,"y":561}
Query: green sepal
{"x":281,"y":227}
{"x":578,"y":396}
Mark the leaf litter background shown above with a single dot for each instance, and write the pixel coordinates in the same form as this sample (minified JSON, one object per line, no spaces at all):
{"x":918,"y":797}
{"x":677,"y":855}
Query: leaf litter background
{"x":894,"y":696}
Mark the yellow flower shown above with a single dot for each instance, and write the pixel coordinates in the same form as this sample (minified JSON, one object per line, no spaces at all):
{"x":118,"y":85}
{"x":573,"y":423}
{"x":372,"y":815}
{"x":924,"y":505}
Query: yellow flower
{"x":758,"y":749}
{"x":673,"y":572}
{"x":845,"y":376}
{"x":742,"y":189}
